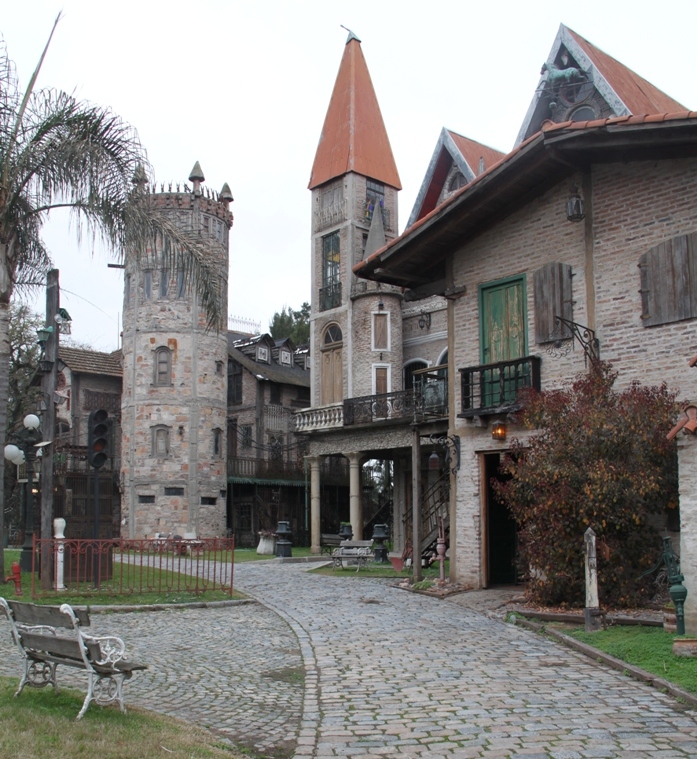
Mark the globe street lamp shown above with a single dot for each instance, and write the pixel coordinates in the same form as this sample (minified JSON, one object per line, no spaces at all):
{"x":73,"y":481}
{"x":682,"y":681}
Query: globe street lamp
{"x":24,"y":448}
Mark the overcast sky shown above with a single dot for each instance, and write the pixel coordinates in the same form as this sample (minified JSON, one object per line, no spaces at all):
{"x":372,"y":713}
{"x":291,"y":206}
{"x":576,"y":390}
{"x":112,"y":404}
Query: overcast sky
{"x":243,"y":88}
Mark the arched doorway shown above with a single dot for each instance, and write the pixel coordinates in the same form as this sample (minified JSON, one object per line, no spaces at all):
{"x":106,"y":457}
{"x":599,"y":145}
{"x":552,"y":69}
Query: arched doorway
{"x":332,"y":385}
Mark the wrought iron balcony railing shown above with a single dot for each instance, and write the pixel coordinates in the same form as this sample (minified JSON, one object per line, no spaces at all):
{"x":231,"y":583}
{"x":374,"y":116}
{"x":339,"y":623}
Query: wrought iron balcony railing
{"x":428,"y":397}
{"x":494,"y":388}
{"x":330,"y":296}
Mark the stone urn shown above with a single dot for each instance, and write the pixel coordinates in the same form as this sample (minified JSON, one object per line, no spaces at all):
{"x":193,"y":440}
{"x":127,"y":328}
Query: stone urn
{"x":267,"y":545}
{"x":685,"y":647}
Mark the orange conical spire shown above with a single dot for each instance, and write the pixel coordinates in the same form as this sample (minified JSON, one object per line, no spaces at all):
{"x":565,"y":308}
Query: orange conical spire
{"x":354,"y":137}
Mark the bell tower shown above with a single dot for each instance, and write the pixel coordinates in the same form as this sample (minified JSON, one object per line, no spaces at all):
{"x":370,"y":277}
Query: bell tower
{"x":356,"y":326}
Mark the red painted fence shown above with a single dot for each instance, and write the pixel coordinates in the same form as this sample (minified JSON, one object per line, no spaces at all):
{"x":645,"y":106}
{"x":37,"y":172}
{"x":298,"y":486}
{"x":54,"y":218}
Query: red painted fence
{"x":124,"y":567}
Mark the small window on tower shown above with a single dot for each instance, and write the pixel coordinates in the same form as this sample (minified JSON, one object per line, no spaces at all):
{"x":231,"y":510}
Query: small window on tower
{"x":160,"y":442}
{"x":181,"y":284}
{"x":217,"y":443}
{"x":163,"y":367}
{"x":147,"y":284}
{"x":164,"y":282}
{"x":381,"y":340}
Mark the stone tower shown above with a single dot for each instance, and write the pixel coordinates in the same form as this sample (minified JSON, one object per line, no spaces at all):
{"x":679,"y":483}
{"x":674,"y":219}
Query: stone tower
{"x":356,"y":326}
{"x":174,"y":378}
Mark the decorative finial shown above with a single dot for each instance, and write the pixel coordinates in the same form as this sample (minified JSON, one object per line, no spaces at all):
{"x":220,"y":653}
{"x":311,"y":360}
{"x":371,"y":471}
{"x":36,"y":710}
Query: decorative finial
{"x":351,"y":35}
{"x":225,"y":194}
{"x":140,"y":178}
{"x":197,"y":177}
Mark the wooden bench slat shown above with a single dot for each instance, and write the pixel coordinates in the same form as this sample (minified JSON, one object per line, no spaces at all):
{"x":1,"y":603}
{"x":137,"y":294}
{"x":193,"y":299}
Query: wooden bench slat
{"x":33,"y":614}
{"x":52,"y":644}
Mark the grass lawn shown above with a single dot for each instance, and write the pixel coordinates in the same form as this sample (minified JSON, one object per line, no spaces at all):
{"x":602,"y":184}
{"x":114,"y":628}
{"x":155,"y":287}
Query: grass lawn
{"x":41,"y":725}
{"x":382,"y":570}
{"x":645,"y":647}
{"x":110,"y":594}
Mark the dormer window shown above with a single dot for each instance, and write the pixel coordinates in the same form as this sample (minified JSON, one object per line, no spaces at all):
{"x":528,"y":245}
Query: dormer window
{"x":457,"y":181}
{"x":263,"y":354}
{"x":285,"y":358}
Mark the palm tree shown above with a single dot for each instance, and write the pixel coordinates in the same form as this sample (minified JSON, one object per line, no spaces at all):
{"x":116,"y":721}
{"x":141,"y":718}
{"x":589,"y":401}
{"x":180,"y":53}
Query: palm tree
{"x":58,"y":152}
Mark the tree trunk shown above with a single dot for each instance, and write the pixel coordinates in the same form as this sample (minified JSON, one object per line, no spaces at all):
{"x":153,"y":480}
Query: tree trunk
{"x":4,"y":389}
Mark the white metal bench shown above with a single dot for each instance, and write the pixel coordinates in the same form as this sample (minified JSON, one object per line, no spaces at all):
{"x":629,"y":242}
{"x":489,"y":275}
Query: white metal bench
{"x":358,"y":552}
{"x":47,"y":636}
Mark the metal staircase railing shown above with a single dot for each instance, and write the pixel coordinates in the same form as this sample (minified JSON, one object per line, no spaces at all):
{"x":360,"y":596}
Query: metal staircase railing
{"x":435,"y":503}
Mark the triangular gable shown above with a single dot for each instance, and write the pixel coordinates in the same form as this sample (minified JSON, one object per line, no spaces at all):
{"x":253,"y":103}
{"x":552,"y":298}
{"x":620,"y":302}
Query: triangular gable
{"x":353,"y":136}
{"x":453,"y":153}
{"x":582,"y":83}
{"x":376,"y":233}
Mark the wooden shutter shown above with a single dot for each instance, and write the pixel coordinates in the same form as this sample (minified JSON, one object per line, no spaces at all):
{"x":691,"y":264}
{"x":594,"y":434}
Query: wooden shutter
{"x":553,"y":298}
{"x":669,"y":281}
{"x":380,"y":332}
{"x":380,"y":380}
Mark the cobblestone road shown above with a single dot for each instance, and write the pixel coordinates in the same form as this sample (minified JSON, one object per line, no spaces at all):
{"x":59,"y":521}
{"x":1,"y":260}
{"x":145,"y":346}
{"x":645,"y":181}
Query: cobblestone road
{"x":387,"y":674}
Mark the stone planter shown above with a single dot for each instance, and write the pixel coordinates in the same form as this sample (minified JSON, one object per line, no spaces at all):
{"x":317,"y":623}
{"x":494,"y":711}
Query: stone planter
{"x":685,"y":647}
{"x":267,"y":546}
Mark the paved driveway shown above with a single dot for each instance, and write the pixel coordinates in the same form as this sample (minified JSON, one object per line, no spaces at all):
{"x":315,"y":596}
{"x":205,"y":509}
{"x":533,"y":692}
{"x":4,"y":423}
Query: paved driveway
{"x":387,"y":674}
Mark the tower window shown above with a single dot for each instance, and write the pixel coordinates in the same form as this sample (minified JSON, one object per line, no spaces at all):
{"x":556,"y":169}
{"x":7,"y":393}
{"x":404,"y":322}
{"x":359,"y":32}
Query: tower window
{"x":234,"y":382}
{"x":217,"y":443}
{"x":374,"y":197}
{"x":180,"y":283}
{"x":127,"y":290}
{"x":163,"y":367}
{"x":330,"y":294}
{"x":381,"y":340}
{"x":457,"y":181}
{"x":164,"y":282}
{"x":147,"y":284}
{"x":160,"y":442}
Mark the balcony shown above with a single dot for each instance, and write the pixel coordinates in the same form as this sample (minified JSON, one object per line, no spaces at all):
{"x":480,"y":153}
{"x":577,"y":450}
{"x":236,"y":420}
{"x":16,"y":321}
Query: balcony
{"x":272,"y":469}
{"x":494,"y":388}
{"x":329,"y":216}
{"x":320,"y":419}
{"x":428,"y":398}
{"x":330,"y":296}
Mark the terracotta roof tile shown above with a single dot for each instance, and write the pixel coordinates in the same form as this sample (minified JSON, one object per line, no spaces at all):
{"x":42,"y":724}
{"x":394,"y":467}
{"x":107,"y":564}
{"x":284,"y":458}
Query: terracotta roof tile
{"x":91,"y":362}
{"x":472,"y":151}
{"x":354,"y":137}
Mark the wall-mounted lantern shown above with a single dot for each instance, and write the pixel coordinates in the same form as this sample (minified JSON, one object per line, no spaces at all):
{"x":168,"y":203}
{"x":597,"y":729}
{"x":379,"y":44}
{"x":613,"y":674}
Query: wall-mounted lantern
{"x":498,"y":431}
{"x":425,"y":320}
{"x":575,"y":210}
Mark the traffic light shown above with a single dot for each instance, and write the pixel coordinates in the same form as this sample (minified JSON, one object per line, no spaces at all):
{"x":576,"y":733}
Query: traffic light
{"x":98,"y":438}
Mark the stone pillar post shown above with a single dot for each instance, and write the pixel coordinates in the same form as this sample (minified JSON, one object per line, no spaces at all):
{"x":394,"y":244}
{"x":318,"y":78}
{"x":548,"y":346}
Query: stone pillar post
{"x":416,"y":503}
{"x":315,"y":523}
{"x":356,"y":505}
{"x":687,"y":473}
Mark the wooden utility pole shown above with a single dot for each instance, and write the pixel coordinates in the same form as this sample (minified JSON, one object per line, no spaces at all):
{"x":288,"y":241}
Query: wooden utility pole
{"x":48,"y":419}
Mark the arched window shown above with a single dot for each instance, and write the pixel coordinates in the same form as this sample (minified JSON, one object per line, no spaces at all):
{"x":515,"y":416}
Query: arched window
{"x":457,"y":181}
{"x":163,"y":367}
{"x":409,"y":370}
{"x":332,"y":388}
{"x":160,"y":442}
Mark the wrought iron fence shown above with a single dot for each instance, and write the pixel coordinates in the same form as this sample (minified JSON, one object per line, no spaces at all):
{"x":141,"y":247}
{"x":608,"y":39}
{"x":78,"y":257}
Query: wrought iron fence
{"x":127,"y":567}
{"x":492,"y":388}
{"x":372,"y":408}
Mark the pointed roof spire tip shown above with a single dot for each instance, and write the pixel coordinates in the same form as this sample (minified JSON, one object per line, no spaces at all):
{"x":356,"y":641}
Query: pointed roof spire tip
{"x":196,"y":173}
{"x":351,"y":35}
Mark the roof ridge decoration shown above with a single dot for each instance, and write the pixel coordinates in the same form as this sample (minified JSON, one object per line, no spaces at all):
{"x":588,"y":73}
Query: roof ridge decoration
{"x":353,"y":136}
{"x":598,"y":86}
{"x":438,"y":170}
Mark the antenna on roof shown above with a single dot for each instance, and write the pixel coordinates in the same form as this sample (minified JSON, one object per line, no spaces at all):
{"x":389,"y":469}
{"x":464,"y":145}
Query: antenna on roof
{"x":351,"y":36}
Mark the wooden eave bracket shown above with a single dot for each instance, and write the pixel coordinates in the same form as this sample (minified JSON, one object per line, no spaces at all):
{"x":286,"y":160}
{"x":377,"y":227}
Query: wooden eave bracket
{"x":455,"y":293}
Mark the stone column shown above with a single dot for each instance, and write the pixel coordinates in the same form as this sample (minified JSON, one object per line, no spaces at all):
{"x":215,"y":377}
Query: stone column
{"x":416,"y":503}
{"x":687,"y":472}
{"x":315,"y":523}
{"x":356,"y":510}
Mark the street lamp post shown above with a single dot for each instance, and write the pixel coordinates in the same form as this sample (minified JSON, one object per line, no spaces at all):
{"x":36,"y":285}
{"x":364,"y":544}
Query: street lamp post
{"x":24,"y":448}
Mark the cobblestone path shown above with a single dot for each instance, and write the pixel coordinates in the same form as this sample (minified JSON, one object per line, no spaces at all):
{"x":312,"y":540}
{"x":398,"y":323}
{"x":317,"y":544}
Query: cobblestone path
{"x":387,"y":674}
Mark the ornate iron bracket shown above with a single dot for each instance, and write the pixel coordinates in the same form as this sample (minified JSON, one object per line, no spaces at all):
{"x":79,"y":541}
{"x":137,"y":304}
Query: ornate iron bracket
{"x":584,"y":335}
{"x":452,"y":446}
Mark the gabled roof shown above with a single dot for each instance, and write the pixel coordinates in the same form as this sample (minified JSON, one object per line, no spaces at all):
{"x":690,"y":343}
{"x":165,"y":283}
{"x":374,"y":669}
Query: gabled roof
{"x":91,"y":362}
{"x":284,"y":375}
{"x":451,"y":148}
{"x":354,"y":137}
{"x":625,"y":92}
{"x":416,"y":259}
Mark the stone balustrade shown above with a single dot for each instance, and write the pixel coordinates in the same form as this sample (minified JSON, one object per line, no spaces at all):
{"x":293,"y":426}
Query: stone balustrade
{"x":321,"y":418}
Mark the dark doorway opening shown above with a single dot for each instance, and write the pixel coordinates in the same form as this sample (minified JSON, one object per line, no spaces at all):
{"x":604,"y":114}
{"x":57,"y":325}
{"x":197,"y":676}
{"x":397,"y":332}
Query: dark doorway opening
{"x":501,"y":529}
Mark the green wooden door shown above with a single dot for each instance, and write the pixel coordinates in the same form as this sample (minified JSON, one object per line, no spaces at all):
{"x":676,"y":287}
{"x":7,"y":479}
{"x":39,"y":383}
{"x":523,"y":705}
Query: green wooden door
{"x":503,"y":337}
